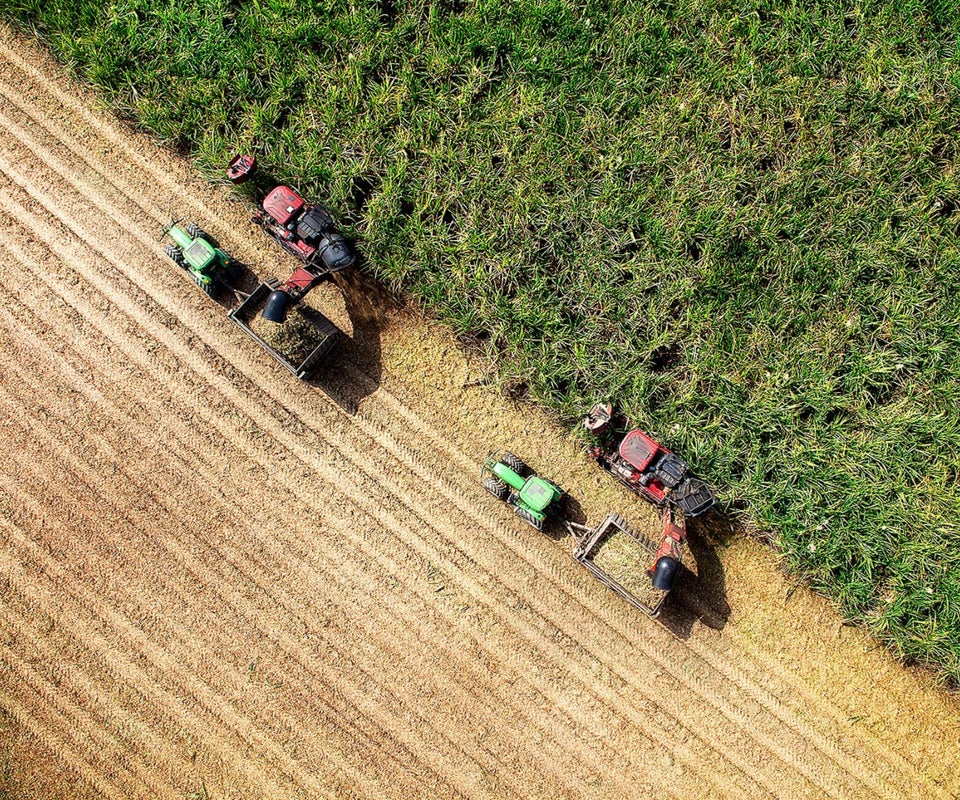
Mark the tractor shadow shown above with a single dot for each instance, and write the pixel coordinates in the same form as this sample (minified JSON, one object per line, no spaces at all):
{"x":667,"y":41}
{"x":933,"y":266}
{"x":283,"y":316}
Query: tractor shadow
{"x":570,"y":509}
{"x":701,"y":595}
{"x":354,"y":368}
{"x":243,"y":281}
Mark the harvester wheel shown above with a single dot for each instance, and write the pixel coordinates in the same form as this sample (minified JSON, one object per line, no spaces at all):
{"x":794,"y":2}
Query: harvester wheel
{"x":175,"y":254}
{"x":515,"y":464}
{"x":496,"y":487}
{"x":527,"y":517}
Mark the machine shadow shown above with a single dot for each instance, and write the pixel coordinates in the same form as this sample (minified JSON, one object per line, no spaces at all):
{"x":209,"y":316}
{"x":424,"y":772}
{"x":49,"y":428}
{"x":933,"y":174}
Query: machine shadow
{"x":243,"y":281}
{"x":700,"y":596}
{"x":570,"y":509}
{"x":354,"y":368}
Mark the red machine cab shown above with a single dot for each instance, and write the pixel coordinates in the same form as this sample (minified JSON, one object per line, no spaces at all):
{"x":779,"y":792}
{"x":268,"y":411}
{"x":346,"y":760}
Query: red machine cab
{"x":283,"y":204}
{"x":638,"y":449}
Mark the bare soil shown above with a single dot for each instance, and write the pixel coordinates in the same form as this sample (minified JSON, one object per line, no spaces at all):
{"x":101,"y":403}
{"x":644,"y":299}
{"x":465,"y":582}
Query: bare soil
{"x":217,"y":581}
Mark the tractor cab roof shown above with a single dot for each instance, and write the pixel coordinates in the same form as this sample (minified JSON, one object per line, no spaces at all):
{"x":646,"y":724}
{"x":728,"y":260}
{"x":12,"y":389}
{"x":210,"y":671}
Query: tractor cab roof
{"x":200,"y":254}
{"x":639,"y":449}
{"x":537,"y":494}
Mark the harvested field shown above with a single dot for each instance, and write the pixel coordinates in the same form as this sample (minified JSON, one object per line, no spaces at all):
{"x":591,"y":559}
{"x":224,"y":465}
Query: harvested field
{"x":217,"y":581}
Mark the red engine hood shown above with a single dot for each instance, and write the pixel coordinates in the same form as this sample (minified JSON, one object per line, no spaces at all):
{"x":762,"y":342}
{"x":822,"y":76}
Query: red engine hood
{"x":283,"y":204}
{"x":638,"y":449}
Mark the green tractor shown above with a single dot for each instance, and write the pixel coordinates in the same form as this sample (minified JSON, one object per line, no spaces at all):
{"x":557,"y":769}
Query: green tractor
{"x":197,"y":252}
{"x":533,"y":498}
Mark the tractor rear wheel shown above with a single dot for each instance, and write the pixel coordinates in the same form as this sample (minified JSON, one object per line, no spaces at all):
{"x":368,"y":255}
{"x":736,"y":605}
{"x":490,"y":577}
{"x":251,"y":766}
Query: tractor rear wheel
{"x":515,"y":464}
{"x":496,"y":487}
{"x":208,"y":287}
{"x":527,"y":517}
{"x":175,"y":254}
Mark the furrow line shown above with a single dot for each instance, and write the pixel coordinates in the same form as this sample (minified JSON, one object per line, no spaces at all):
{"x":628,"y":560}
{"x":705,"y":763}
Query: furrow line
{"x":79,"y":155}
{"x":86,"y":603}
{"x":62,"y":742}
{"x":276,"y":597}
{"x":129,"y":770}
{"x":290,"y":646}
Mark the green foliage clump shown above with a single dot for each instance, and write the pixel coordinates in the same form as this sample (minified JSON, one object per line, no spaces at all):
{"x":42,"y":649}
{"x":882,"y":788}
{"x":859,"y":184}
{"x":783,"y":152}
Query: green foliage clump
{"x":739,"y":219}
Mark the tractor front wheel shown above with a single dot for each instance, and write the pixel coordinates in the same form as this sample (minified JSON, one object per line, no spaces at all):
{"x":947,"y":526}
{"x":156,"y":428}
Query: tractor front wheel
{"x":194,"y":231}
{"x":515,"y":464}
{"x":527,"y":517}
{"x":175,"y":254}
{"x":496,"y":487}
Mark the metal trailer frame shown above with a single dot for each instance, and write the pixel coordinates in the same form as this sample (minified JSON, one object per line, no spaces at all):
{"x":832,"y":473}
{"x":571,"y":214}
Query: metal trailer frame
{"x":250,"y":307}
{"x":589,"y":543}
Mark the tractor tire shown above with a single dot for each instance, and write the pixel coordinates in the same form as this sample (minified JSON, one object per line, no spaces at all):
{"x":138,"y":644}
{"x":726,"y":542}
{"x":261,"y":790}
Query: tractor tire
{"x":527,"y":517}
{"x":194,"y":231}
{"x":496,"y":487}
{"x":515,"y":464}
{"x":208,"y":288}
{"x":176,"y":255}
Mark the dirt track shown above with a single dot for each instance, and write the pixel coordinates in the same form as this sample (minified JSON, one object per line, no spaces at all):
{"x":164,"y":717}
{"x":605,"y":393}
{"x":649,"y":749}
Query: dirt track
{"x":217,"y":581}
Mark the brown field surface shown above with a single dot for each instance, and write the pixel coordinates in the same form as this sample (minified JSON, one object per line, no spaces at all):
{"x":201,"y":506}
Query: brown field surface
{"x":219,"y":582}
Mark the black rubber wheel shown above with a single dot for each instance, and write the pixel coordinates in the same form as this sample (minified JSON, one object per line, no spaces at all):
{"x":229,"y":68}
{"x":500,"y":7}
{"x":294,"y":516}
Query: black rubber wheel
{"x":527,"y":517}
{"x":496,"y":487}
{"x":194,"y":231}
{"x":515,"y":464}
{"x":209,"y":289}
{"x":175,"y":254}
